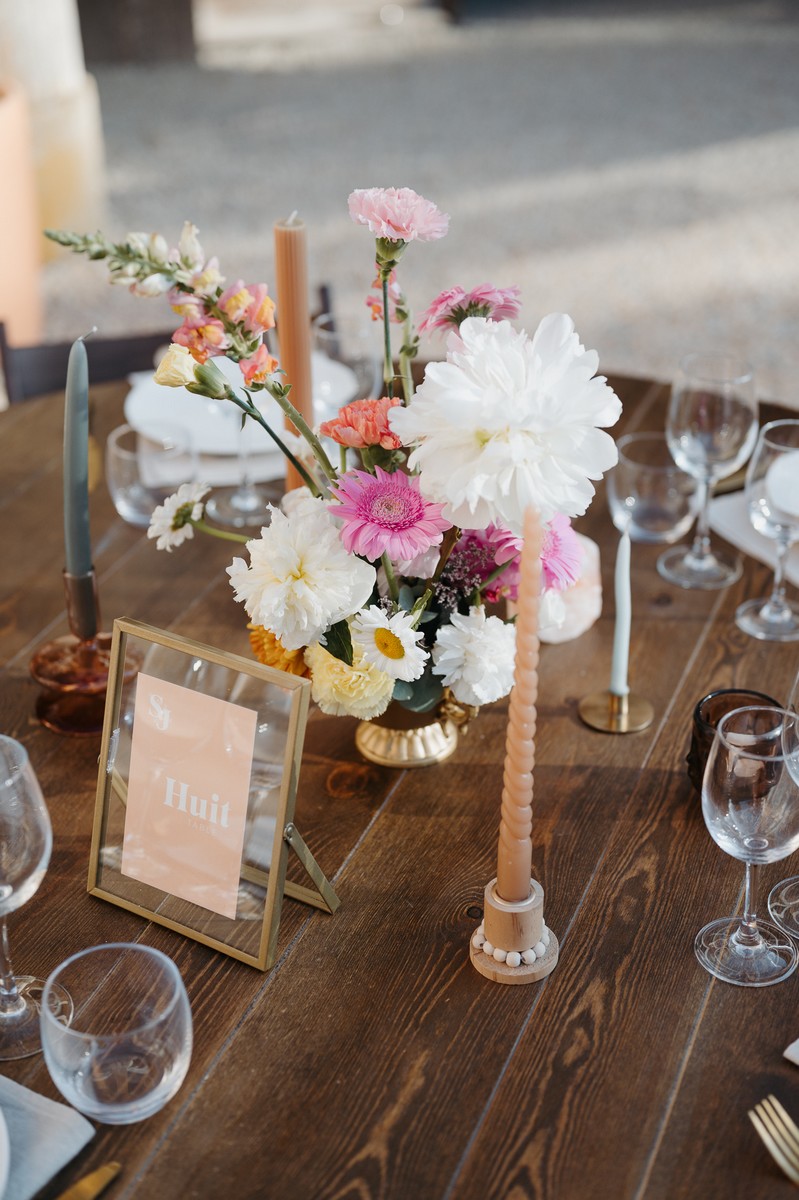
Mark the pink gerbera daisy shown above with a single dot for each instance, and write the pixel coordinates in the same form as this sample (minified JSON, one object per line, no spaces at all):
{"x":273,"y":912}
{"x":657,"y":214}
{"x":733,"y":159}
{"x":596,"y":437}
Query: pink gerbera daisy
{"x":398,"y":214}
{"x":454,"y":305}
{"x":386,"y":514}
{"x":561,"y":554}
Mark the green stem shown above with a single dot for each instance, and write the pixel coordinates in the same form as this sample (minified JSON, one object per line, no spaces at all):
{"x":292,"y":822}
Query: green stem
{"x":219,"y":533}
{"x":391,"y":578}
{"x":405,"y":363}
{"x":388,"y":362}
{"x":313,"y":441}
{"x":342,"y":458}
{"x":251,"y":410}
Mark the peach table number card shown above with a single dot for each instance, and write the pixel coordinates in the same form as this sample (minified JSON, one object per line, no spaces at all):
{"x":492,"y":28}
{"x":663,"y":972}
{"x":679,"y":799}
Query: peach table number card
{"x":188,"y":789}
{"x":199,"y":768}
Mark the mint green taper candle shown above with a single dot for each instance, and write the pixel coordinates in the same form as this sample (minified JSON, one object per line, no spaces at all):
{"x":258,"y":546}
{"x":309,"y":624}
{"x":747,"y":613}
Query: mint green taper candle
{"x":77,"y":543}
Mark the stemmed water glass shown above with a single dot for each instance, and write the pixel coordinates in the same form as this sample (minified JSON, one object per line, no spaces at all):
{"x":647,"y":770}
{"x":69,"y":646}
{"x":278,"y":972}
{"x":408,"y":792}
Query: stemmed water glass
{"x":772,"y":496}
{"x":783,"y":900}
{"x":26,"y":840}
{"x":750,"y":803}
{"x":649,"y":497}
{"x":711,"y":429}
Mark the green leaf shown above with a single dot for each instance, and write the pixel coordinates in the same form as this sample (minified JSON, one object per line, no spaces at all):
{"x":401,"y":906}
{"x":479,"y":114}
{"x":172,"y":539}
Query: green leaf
{"x":402,"y":690}
{"x":339,"y":643}
{"x":426,"y":692}
{"x":406,"y":598}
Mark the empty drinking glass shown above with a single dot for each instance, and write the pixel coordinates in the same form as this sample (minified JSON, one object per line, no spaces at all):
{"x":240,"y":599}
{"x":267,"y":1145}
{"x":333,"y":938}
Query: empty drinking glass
{"x":772,"y":496}
{"x":26,"y":840}
{"x":711,"y":429}
{"x":128,"y":1048}
{"x":143,"y":469}
{"x":648,"y":495}
{"x":750,"y":803}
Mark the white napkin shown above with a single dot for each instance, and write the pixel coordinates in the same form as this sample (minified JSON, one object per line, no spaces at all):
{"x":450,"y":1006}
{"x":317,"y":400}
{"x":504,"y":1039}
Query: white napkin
{"x":729,"y":517}
{"x":44,"y":1136}
{"x":792,"y":1052}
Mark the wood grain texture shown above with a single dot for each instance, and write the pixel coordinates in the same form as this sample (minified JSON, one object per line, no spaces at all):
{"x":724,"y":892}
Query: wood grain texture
{"x":373,"y":1060}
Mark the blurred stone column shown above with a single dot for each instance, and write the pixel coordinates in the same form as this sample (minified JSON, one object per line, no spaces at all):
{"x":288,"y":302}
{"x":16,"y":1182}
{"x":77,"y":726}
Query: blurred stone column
{"x":41,"y":52}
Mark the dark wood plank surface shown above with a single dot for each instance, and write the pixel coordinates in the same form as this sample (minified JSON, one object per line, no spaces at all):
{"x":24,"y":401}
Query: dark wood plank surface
{"x":372,"y":1060}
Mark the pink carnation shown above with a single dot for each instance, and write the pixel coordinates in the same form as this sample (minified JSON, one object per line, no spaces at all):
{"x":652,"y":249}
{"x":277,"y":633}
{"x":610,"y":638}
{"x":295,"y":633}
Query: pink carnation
{"x":386,"y":514}
{"x":363,"y":423}
{"x":455,"y":305}
{"x":398,"y":214}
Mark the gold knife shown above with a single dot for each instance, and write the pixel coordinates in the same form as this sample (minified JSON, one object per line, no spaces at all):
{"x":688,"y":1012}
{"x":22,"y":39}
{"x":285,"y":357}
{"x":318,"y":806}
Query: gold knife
{"x":91,"y":1185}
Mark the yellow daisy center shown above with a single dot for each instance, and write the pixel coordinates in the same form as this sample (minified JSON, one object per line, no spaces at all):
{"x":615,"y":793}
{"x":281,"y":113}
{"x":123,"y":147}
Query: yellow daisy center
{"x":389,"y":644}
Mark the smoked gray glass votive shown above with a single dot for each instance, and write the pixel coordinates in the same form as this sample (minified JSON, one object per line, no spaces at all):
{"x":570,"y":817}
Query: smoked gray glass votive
{"x":707,"y":714}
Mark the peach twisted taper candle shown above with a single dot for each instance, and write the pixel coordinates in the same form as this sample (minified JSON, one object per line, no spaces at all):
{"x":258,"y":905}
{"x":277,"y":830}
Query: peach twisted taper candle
{"x":514,"y":866}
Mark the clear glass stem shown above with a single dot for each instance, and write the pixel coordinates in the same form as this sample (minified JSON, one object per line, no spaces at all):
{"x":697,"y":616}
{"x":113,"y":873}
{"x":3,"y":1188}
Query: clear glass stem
{"x":776,"y":607}
{"x":10,"y":1000}
{"x":700,"y":549}
{"x":748,"y":934}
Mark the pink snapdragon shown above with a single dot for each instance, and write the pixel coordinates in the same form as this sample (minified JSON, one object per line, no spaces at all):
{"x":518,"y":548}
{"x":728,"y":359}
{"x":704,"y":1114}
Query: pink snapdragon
{"x":386,"y":514}
{"x":249,"y":305}
{"x":363,"y":423}
{"x":258,"y":367}
{"x":455,"y":304}
{"x":397,"y":214}
{"x":203,"y":336}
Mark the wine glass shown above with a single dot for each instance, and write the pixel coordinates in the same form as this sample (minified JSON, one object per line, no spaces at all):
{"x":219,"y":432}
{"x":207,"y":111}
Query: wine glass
{"x":783,"y":899}
{"x":245,"y":504}
{"x":750,"y":803}
{"x":26,"y":840}
{"x":649,"y":497}
{"x":772,"y":495}
{"x":128,"y":1048}
{"x":711,"y":429}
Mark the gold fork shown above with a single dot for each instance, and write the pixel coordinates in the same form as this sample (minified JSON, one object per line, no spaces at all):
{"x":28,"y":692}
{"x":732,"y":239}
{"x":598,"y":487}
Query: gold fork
{"x":779,"y":1133}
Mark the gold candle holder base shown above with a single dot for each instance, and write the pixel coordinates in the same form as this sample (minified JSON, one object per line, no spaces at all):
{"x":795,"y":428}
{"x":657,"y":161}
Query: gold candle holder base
{"x":528,"y":950}
{"x":616,"y":714}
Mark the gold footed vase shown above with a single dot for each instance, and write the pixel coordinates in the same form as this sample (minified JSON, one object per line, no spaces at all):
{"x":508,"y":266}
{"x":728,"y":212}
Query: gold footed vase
{"x":401,"y":738}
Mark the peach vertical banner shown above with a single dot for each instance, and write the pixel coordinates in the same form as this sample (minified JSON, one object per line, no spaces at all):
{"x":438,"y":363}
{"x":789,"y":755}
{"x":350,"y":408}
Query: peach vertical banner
{"x":514,"y":866}
{"x":294,"y":321}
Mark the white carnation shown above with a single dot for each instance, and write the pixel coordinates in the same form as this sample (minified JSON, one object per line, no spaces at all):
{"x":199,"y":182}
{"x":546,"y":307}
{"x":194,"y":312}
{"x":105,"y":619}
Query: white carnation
{"x":475,"y":655}
{"x":508,"y":422}
{"x":300,"y":579}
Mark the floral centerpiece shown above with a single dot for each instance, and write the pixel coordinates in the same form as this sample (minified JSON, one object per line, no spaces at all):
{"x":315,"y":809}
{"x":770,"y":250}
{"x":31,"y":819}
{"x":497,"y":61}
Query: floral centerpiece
{"x":377,"y":577}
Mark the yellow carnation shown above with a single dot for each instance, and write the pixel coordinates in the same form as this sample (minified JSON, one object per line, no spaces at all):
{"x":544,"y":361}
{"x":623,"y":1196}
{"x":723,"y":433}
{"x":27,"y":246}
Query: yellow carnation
{"x":362,"y":690}
{"x":176,"y":368}
{"x":269,"y":650}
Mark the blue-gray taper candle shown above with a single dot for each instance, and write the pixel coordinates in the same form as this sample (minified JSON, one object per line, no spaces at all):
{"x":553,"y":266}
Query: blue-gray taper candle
{"x":77,"y":542}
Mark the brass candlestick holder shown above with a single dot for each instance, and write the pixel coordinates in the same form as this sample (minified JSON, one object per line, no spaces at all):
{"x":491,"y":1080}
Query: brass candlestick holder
{"x":611,"y":713}
{"x":73,"y":669}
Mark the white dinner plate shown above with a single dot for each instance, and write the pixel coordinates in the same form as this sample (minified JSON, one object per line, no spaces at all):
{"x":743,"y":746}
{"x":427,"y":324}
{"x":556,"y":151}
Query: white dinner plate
{"x":214,"y":424}
{"x":5,"y":1154}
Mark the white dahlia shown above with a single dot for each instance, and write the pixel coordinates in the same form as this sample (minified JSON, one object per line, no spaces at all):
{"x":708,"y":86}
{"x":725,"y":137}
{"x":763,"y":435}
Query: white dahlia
{"x":475,"y":656}
{"x":300,"y":579}
{"x":510,"y":421}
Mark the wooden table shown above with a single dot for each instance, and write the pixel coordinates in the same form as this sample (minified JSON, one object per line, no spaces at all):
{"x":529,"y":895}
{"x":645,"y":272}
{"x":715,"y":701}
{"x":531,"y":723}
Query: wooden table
{"x":373,"y":1060}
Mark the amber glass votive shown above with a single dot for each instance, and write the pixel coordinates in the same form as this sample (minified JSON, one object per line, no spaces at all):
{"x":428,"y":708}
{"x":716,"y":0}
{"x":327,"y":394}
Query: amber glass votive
{"x":707,"y":714}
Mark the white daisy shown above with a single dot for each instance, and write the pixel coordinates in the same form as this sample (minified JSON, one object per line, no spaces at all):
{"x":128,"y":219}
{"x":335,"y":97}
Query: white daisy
{"x":300,"y":579}
{"x":508,"y":422}
{"x":475,"y":656}
{"x":170,"y":522}
{"x":390,"y":643}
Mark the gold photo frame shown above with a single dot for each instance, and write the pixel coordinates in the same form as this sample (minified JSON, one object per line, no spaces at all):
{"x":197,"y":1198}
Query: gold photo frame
{"x":194,"y":815}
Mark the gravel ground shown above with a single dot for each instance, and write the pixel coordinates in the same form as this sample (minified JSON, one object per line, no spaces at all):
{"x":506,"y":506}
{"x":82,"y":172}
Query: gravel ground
{"x":634,"y":165}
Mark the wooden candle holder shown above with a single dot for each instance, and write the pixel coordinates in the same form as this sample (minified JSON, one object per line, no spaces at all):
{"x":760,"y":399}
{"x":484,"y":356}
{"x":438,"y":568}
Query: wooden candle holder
{"x":515,"y":930}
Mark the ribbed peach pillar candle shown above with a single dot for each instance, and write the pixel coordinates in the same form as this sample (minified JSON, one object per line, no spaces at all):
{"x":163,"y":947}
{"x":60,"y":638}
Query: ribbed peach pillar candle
{"x":294,"y":321}
{"x":514,"y":866}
